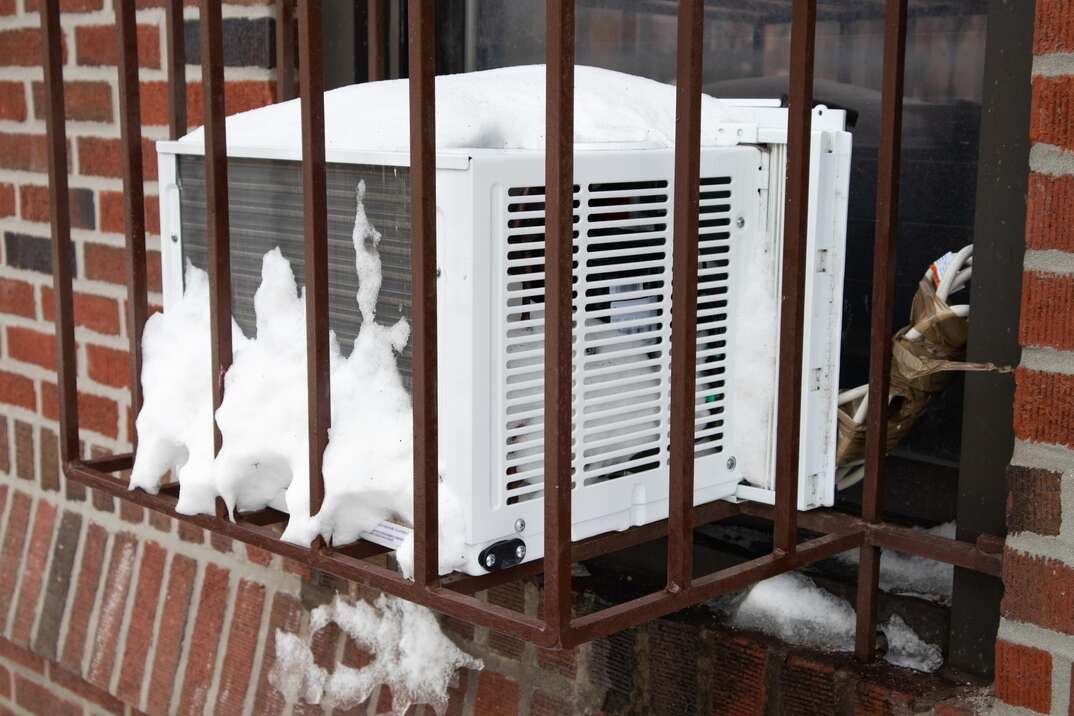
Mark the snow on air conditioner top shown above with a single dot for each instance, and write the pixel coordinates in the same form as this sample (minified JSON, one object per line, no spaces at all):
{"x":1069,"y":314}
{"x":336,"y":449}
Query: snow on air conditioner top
{"x":490,"y":293}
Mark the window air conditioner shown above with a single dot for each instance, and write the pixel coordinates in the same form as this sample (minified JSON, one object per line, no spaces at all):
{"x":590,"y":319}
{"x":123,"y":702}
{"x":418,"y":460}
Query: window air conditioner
{"x":490,"y":292}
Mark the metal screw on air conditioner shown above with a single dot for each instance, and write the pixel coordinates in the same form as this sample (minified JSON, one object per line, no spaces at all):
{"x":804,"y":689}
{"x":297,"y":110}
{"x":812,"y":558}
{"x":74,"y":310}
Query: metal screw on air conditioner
{"x":175,"y":238}
{"x":740,"y":222}
{"x":490,"y":561}
{"x":520,"y":552}
{"x":731,"y":462}
{"x":520,"y":525}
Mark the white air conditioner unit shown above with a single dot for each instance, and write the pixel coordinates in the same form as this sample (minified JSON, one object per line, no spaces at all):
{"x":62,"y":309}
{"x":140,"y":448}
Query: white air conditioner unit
{"x":490,"y":210}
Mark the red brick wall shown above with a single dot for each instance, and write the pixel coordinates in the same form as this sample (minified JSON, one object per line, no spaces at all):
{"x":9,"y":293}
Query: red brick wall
{"x":1033,"y":656}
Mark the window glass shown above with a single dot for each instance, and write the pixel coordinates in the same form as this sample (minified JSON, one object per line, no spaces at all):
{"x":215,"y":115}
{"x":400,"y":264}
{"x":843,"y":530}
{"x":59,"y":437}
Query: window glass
{"x":746,"y":55}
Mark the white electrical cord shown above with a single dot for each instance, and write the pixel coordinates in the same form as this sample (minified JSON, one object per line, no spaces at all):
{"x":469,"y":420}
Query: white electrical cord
{"x":956,"y":272}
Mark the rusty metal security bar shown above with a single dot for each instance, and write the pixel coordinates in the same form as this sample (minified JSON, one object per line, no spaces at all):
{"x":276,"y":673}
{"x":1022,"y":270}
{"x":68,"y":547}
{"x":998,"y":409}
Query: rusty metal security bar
{"x":454,"y":594}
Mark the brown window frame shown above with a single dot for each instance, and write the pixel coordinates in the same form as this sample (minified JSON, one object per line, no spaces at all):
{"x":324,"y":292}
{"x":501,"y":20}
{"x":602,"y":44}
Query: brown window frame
{"x":454,"y":594}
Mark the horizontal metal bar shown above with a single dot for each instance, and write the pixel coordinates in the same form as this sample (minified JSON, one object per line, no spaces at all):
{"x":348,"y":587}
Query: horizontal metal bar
{"x":111,"y":463}
{"x":341,"y":562}
{"x":941,"y":549}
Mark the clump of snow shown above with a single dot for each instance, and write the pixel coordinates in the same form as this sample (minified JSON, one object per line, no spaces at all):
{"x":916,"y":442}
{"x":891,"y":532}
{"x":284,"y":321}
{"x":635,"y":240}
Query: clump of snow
{"x":263,"y":460}
{"x":496,"y":109}
{"x":174,"y":426}
{"x":909,"y":574}
{"x":794,"y":609}
{"x":411,"y":656}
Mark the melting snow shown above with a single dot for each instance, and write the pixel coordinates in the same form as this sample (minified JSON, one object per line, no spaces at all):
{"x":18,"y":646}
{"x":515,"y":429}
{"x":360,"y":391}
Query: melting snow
{"x":411,"y":656}
{"x":909,"y":574}
{"x":793,"y":608}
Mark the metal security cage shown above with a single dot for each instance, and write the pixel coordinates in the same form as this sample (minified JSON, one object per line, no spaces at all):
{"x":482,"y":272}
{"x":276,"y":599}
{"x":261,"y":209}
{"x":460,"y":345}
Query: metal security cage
{"x":557,"y":626}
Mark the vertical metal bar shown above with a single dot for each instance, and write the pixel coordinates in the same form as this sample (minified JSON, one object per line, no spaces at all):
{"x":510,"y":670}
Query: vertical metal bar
{"x":59,"y":209}
{"x":422,"y":42}
{"x":212,"y":79}
{"x":285,"y":50}
{"x":792,"y":301}
{"x":130,"y":127}
{"x":375,"y":38}
{"x":887,"y":214}
{"x":684,"y":294}
{"x":315,"y":205}
{"x":559,"y":241}
{"x":176,"y":61}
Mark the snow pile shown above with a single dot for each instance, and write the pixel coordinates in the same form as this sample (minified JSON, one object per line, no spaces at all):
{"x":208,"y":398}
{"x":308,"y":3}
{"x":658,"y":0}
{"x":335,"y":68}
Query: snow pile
{"x":174,"y":427}
{"x":794,"y":609}
{"x":909,"y":574}
{"x":496,"y":109}
{"x":411,"y":656}
{"x":263,"y":460}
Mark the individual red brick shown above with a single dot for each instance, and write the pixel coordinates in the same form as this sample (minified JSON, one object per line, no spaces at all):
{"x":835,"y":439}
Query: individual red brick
{"x":239,"y":96}
{"x":807,"y":686}
{"x":1044,"y":407}
{"x":1035,"y":500}
{"x":324,"y":645}
{"x":241,"y":647}
{"x":24,"y":450}
{"x":1044,"y":298}
{"x":738,"y":680}
{"x":7,"y":7}
{"x":286,"y":615}
{"x":30,"y":346}
{"x":17,"y":298}
{"x":205,"y":640}
{"x":22,"y":152}
{"x":95,"y":413}
{"x":1052,"y":111}
{"x":89,"y":577}
{"x":38,"y":699}
{"x":1037,"y":590}
{"x":97,"y":313}
{"x":15,"y":654}
{"x":49,"y":459}
{"x":140,"y":630}
{"x":130,"y":512}
{"x":101,"y":157}
{"x":83,"y":100}
{"x":54,"y":601}
{"x":112,"y":221}
{"x":69,"y":6}
{"x":17,"y":390}
{"x":160,"y":521}
{"x":109,"y":263}
{"x":881,"y":699}
{"x":258,"y":556}
{"x":221,"y":543}
{"x":96,"y":45}
{"x":7,"y":200}
{"x":113,"y":604}
{"x":1050,"y":213}
{"x":22,"y":47}
{"x":1024,"y":676}
{"x":1054,"y":29}
{"x":191,"y":533}
{"x":18,"y":522}
{"x":108,"y":366}
{"x":13,"y":101}
{"x":496,"y":695}
{"x":5,"y":448}
{"x":5,"y":683}
{"x":34,"y":565}
{"x":173,"y":620}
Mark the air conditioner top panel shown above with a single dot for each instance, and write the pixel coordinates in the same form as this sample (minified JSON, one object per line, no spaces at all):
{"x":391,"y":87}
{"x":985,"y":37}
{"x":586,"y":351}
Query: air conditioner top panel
{"x":497,"y":110}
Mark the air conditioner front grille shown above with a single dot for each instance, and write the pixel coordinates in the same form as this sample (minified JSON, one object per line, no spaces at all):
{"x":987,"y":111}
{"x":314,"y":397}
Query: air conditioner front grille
{"x":621,"y":330}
